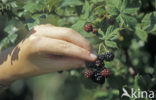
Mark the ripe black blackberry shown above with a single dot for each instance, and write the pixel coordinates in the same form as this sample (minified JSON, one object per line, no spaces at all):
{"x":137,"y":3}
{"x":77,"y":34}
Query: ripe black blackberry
{"x":101,"y":57}
{"x":98,"y":78}
{"x":88,"y":73}
{"x":111,"y":20}
{"x":99,"y":63}
{"x":105,"y":72}
{"x":95,"y":31}
{"x":88,"y":27}
{"x":108,"y":56}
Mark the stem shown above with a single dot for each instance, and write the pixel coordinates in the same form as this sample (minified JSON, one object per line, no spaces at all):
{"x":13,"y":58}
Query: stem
{"x":99,"y":50}
{"x":105,"y":48}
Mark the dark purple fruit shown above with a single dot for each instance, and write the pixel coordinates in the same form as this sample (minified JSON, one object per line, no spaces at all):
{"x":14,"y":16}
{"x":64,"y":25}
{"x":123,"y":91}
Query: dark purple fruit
{"x":108,"y":56}
{"x":101,"y":57}
{"x":111,"y":20}
{"x":98,"y":78}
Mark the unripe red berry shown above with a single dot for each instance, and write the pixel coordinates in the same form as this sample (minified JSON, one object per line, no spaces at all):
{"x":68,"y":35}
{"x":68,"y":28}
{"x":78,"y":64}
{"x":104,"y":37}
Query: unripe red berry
{"x":88,"y":73}
{"x":88,"y":28}
{"x":95,"y":30}
{"x":105,"y":72}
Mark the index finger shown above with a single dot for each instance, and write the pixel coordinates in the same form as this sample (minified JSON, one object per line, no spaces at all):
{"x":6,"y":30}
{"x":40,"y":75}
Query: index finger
{"x":62,"y":33}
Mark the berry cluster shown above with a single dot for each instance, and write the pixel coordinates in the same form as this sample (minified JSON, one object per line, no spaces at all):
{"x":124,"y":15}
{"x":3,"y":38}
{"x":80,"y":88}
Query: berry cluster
{"x":89,"y":28}
{"x":96,"y":70}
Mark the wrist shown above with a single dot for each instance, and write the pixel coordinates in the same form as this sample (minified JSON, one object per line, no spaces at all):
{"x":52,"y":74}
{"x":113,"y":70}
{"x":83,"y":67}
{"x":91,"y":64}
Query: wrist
{"x":6,"y":76}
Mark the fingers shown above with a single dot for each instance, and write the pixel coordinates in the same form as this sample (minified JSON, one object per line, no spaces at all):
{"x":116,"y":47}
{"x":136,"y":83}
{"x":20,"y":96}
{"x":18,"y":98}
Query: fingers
{"x":62,"y":33}
{"x":60,"y":47}
{"x":56,"y":63}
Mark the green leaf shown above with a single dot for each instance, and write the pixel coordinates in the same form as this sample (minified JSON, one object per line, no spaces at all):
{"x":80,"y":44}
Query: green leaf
{"x":108,"y":32}
{"x":100,"y":94}
{"x":72,"y":3}
{"x":32,"y":22}
{"x":112,"y":6}
{"x":10,"y":29}
{"x":12,"y":37}
{"x":122,"y":6}
{"x":141,"y":34}
{"x":129,"y":20}
{"x":131,"y":11}
{"x":149,"y":22}
{"x":136,"y":85}
{"x":31,"y":6}
{"x":78,"y":25}
{"x":111,"y":44}
{"x":86,"y":10}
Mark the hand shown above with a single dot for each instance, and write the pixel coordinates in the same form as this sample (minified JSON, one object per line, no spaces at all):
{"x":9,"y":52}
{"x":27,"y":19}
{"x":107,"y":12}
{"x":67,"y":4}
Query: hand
{"x":47,"y":49}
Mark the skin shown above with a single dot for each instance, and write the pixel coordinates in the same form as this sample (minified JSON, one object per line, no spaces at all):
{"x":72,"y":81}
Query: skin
{"x":46,"y":49}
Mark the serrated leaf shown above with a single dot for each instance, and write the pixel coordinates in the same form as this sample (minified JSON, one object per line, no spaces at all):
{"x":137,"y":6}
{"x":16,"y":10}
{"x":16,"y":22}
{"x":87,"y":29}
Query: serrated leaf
{"x":79,"y":25}
{"x":111,"y":44}
{"x":109,"y":30}
{"x":129,"y":20}
{"x":131,"y":11}
{"x":32,"y":6}
{"x":122,"y":6}
{"x":149,"y":22}
{"x":112,"y":6}
{"x":141,"y":34}
{"x":86,"y":10}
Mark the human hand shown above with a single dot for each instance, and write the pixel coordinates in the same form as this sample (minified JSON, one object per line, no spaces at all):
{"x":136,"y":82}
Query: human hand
{"x":49,"y":48}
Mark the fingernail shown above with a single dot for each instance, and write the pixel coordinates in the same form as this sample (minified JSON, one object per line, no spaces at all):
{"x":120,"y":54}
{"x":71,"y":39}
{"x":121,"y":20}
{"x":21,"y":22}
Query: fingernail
{"x":93,"y":56}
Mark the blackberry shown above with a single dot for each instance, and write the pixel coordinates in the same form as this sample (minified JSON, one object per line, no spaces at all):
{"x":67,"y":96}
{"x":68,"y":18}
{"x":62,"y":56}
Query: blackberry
{"x":98,"y":78}
{"x":88,"y":28}
{"x":95,"y":31}
{"x":99,"y":63}
{"x":111,"y":20}
{"x":108,"y":56}
{"x":105,"y":72}
{"x":88,"y":73}
{"x":96,"y":64}
{"x":101,"y":57}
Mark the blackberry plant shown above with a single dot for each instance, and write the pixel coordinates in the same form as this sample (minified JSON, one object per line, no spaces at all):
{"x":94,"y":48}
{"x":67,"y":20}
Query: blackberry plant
{"x":122,"y":32}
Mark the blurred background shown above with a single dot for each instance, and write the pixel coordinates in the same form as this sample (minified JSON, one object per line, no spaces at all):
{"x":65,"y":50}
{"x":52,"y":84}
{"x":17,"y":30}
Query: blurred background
{"x":138,"y":51}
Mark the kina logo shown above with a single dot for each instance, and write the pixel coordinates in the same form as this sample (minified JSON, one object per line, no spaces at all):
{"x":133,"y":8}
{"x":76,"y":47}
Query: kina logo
{"x":138,"y":93}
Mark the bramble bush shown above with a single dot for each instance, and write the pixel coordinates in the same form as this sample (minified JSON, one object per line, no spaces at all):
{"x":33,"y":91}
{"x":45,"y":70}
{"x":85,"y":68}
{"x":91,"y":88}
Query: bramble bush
{"x":125,"y":27}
